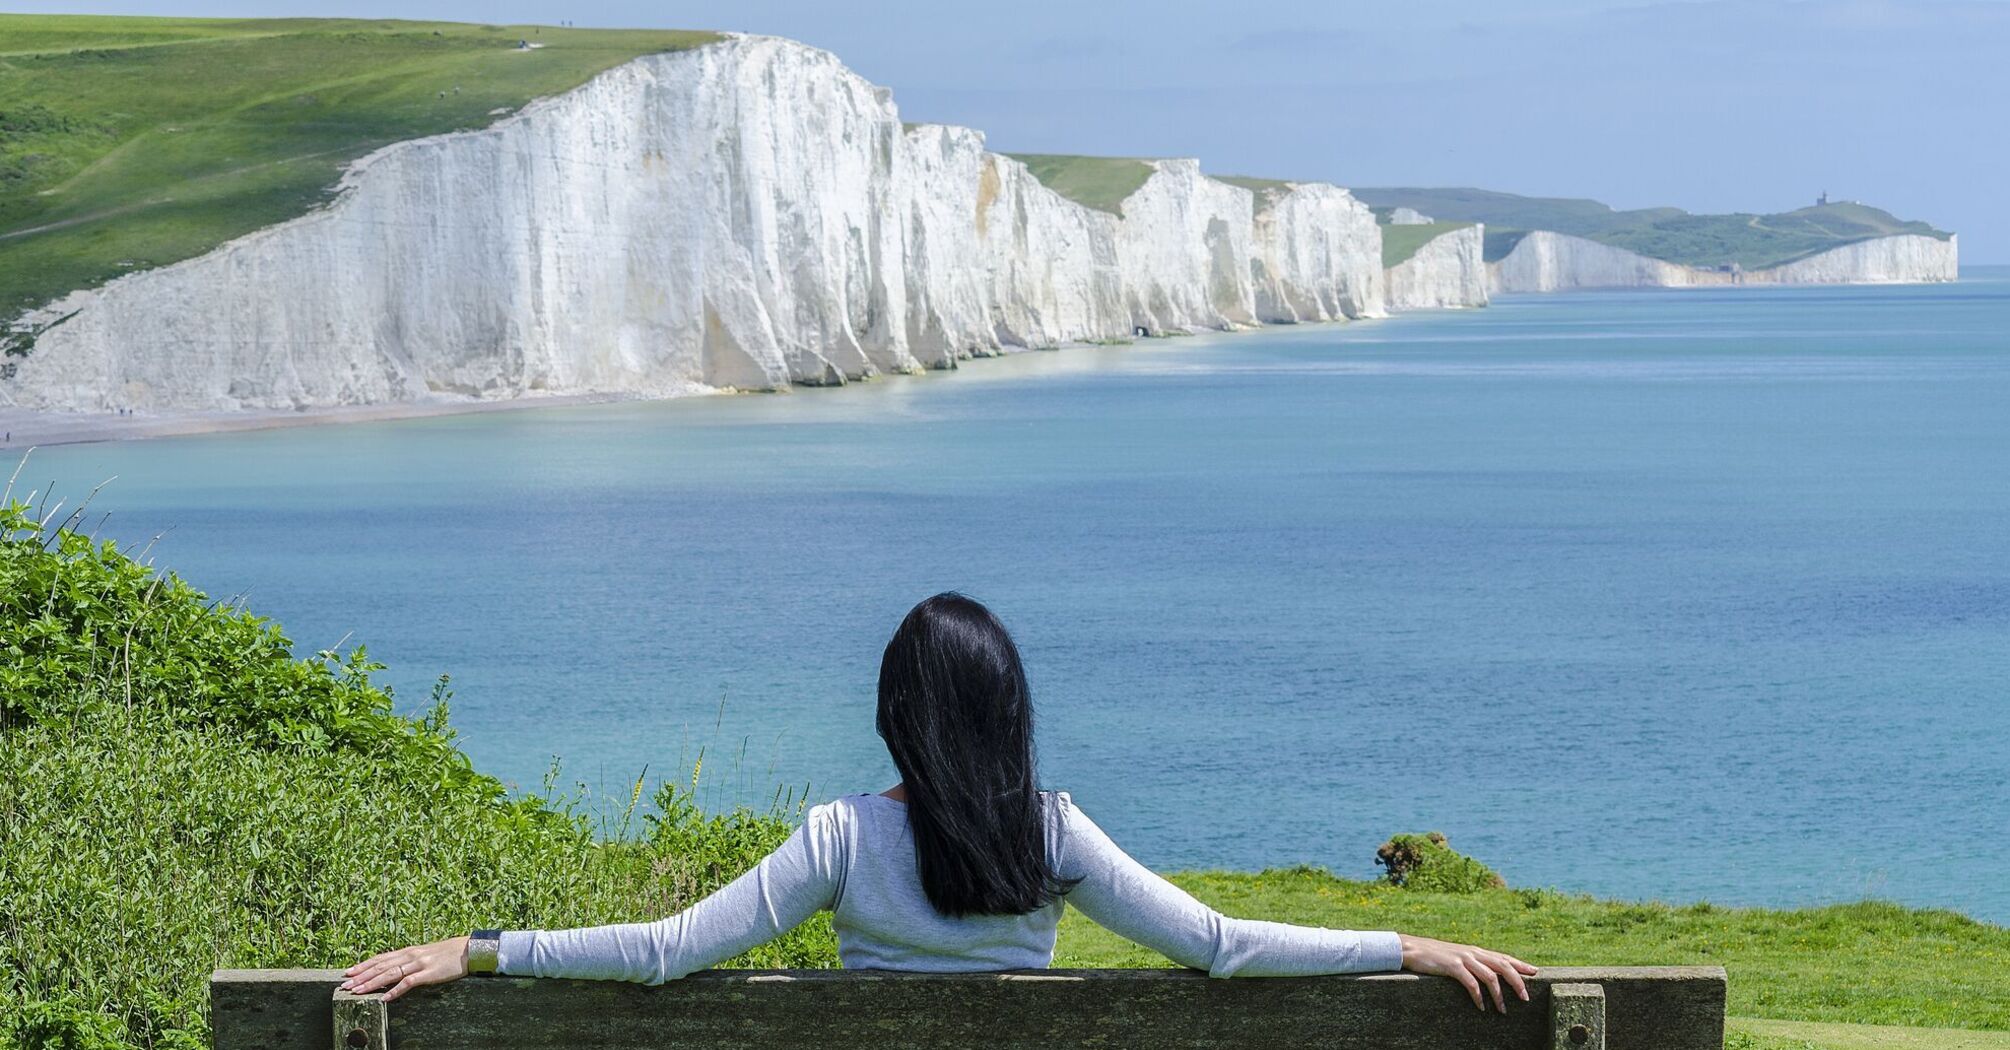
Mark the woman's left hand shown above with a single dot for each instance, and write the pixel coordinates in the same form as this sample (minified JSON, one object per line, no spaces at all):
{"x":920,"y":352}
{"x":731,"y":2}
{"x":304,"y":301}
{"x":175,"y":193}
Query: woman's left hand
{"x":1478,"y":970}
{"x":408,"y":968}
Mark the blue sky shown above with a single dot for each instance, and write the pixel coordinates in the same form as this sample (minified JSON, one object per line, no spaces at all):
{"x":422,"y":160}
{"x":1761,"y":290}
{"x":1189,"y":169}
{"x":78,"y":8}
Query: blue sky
{"x":1713,"y":105}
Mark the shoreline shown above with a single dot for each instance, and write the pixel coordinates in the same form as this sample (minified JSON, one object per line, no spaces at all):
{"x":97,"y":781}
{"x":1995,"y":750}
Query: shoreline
{"x":22,"y":429}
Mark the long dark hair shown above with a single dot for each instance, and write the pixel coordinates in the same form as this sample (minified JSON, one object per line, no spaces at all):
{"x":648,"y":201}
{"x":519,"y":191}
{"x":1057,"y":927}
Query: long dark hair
{"x":957,"y":718}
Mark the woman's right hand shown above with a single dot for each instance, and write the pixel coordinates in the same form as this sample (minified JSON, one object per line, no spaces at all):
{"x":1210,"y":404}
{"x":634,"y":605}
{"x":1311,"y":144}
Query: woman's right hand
{"x":1470,"y":966}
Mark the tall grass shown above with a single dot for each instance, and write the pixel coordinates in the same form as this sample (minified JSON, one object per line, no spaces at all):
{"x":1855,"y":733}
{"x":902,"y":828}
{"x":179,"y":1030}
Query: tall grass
{"x":178,"y":792}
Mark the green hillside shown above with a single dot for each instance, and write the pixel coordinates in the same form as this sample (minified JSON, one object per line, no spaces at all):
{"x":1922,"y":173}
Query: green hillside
{"x":1101,"y":183}
{"x":127,"y":143}
{"x":1749,"y":240}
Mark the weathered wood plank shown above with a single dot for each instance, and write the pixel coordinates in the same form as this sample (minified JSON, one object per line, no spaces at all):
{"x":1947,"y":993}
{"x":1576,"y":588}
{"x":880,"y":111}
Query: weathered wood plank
{"x":271,"y":1009}
{"x":1659,"y":1008}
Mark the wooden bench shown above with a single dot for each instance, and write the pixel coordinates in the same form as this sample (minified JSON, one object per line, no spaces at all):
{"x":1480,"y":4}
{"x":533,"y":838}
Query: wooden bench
{"x":1627,"y":1008}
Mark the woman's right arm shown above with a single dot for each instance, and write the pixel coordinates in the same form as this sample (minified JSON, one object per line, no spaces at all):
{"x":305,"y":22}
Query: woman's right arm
{"x":1130,"y":900}
{"x":801,"y":877}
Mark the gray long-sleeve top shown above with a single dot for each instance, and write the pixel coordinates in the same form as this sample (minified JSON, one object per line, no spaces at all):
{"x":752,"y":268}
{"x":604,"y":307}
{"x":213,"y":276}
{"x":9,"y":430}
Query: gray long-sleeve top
{"x":855,"y":857}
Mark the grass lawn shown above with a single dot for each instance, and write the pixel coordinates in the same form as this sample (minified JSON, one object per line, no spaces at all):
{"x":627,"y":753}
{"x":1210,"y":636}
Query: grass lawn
{"x":1840,"y":967}
{"x":1101,"y":183}
{"x":134,"y":142}
{"x":1401,"y":242}
{"x":1751,"y":1033}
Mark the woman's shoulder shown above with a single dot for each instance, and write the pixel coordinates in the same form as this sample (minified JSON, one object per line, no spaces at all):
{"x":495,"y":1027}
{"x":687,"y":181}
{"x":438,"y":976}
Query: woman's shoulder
{"x":864,"y":806}
{"x":856,"y":807}
{"x":1064,"y":820}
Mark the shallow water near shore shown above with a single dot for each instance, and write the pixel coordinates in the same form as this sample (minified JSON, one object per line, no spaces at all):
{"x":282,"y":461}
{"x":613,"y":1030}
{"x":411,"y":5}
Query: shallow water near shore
{"x":1667,"y":595}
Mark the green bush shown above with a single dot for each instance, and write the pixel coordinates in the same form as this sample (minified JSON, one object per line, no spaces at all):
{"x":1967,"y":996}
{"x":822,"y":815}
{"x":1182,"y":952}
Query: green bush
{"x":1427,"y":862}
{"x":86,"y":624}
{"x":178,"y":793}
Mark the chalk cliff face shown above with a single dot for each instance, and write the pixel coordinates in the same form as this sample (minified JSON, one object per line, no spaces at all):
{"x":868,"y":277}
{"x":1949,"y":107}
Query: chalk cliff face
{"x":746,"y":215}
{"x":1316,"y":256}
{"x":1549,"y":262}
{"x":1905,"y":258}
{"x":1553,"y":262}
{"x":1448,"y":271}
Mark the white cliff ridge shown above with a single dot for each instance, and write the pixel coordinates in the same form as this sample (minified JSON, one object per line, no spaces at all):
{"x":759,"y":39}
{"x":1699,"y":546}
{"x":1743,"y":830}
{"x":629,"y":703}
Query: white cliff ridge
{"x":1448,"y":271}
{"x":1902,"y":259}
{"x":1548,"y":262}
{"x":745,"y":215}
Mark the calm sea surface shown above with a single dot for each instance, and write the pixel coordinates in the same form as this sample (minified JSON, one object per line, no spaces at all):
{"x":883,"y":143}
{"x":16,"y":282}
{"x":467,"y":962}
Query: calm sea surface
{"x":1656,"y":595}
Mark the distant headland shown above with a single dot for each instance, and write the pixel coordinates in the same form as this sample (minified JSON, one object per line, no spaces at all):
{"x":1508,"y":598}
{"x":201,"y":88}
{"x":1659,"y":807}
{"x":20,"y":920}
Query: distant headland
{"x":1540,"y":244}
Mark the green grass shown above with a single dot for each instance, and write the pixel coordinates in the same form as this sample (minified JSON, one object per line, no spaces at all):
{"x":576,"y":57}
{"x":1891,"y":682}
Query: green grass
{"x":1749,"y":240}
{"x":1752,"y":1033}
{"x":128,"y":143}
{"x":1865,"y":963}
{"x":37,"y":34}
{"x":1402,"y":242}
{"x":1262,"y":191}
{"x":1101,"y":183}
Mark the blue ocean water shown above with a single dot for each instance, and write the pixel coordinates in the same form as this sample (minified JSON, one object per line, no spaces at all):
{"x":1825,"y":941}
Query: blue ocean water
{"x":1667,"y":595}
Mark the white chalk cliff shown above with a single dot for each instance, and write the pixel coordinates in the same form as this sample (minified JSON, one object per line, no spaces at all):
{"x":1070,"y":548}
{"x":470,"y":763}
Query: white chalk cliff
{"x":1447,"y":271}
{"x":745,"y":215}
{"x":1902,"y":259}
{"x":1549,"y":262}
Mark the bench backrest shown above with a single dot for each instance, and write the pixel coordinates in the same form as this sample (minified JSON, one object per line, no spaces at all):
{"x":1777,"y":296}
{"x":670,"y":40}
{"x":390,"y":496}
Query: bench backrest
{"x":1629,"y":1008}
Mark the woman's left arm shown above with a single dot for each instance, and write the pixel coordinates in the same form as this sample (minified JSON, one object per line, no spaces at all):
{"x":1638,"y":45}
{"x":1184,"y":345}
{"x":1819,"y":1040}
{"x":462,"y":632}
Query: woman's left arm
{"x":1132,"y":901}
{"x":788,"y":886}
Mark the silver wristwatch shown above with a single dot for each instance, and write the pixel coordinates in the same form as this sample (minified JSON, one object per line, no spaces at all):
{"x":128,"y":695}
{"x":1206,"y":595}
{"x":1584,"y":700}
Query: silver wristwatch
{"x":483,"y":946}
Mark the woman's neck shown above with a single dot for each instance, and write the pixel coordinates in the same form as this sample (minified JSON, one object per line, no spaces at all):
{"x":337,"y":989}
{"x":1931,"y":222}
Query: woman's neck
{"x":898,"y":792}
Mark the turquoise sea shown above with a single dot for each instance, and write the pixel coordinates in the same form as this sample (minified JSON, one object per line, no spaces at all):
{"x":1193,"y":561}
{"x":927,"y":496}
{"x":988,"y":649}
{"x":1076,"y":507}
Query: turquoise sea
{"x":1667,"y":595}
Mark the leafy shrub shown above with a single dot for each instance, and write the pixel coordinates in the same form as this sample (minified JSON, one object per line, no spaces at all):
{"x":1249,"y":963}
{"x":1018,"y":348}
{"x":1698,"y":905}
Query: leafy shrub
{"x":85,"y":622}
{"x":32,"y":118}
{"x":178,"y":793}
{"x":1427,"y":862}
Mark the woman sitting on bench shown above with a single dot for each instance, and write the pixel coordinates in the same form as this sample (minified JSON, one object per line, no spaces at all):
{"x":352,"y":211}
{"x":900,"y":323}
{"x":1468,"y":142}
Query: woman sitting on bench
{"x":964,"y":865}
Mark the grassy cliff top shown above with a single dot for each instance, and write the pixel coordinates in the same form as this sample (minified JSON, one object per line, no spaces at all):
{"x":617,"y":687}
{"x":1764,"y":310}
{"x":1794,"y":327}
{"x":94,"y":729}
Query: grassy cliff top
{"x":1750,"y":240}
{"x":1263,"y":192}
{"x":1254,"y":184}
{"x":1101,"y":183}
{"x":128,"y":143}
{"x":1401,"y":242}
